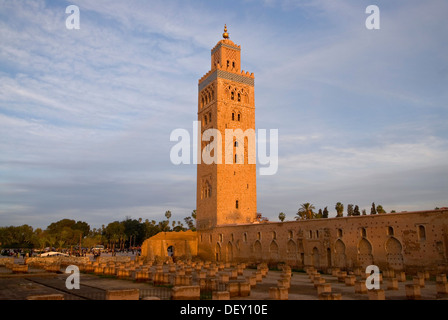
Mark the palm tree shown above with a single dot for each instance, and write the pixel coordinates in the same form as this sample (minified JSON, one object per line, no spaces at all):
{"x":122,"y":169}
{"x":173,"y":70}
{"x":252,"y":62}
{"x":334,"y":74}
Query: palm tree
{"x":168,"y":214}
{"x":339,"y":209}
{"x":60,"y":244}
{"x":281,"y":216}
{"x":305,"y":211}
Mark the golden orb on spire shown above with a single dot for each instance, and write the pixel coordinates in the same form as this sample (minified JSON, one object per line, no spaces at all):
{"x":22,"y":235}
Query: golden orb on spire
{"x":225,"y":35}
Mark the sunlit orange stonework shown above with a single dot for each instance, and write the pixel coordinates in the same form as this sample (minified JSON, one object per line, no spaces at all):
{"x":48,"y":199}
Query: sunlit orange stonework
{"x":229,"y":231}
{"x":226,"y":192}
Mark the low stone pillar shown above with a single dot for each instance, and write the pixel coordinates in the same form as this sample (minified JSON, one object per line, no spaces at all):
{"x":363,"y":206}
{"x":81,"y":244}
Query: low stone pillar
{"x":128,"y":294}
{"x":442,"y":287}
{"x":211,"y":273}
{"x":389,"y":273}
{"x":252,"y":280}
{"x":172,"y":268}
{"x":224,"y":277}
{"x":98,"y":270}
{"x":110,"y":271}
{"x":285,"y":276}
{"x":357,"y":271}
{"x":202,"y":283}
{"x":308,"y":269}
{"x":123,"y":273}
{"x":233,"y":288}
{"x":314,"y":276}
{"x":283,"y":283}
{"x":350,"y":280}
{"x":161,"y":278}
{"x":220,"y":295}
{"x":330,"y":296}
{"x":392,"y":284}
{"x":259,"y":276}
{"x":413,"y":292}
{"x":276,"y":293}
{"x":419,"y":281}
{"x":335,"y":271}
{"x":318,"y":282}
{"x":233,"y":274}
{"x":323,"y":288}
{"x":441,"y":278}
{"x":180,"y":272}
{"x":400,"y":276}
{"x":186,"y":293}
{"x":244,"y":289}
{"x":376,"y":294}
{"x":360,"y":287}
{"x":89,"y":269}
{"x":341,"y":276}
{"x":141,"y":276}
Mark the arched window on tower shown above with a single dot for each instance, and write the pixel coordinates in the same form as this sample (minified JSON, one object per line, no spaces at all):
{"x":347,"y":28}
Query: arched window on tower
{"x":233,"y":116}
{"x":239,"y":117}
{"x":236,"y":204}
{"x":228,"y":63}
{"x":232,"y":95}
{"x":239,"y":97}
{"x":233,"y":64}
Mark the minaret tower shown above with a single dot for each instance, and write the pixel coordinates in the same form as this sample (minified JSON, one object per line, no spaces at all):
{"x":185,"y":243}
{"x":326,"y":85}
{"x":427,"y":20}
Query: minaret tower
{"x":226,"y":192}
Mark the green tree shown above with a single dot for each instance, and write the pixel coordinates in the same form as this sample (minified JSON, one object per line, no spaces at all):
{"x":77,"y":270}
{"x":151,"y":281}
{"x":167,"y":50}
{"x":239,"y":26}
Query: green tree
{"x":168,"y":214}
{"x":305,"y":211}
{"x":339,"y":209}
{"x":356,"y":211}
{"x":281,"y":216}
{"x":190,"y":223}
{"x":113,"y":232}
{"x":380,"y":209}
{"x":325,"y":213}
{"x":164,"y":226}
{"x":373,"y":209}
{"x":350,"y":210}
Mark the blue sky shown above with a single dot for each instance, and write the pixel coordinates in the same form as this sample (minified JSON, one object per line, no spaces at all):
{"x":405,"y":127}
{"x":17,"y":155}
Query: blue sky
{"x":86,"y":115}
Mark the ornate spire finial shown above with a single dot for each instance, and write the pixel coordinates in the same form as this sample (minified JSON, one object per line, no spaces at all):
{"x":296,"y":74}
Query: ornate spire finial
{"x":225,"y":35}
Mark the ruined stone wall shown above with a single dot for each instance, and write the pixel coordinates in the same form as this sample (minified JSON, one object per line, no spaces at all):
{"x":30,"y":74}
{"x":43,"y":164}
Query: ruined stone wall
{"x":183,"y":244}
{"x":63,"y":261}
{"x":402,"y":241}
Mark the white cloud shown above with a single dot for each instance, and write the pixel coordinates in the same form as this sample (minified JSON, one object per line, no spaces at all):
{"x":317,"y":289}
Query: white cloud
{"x":88,"y":113}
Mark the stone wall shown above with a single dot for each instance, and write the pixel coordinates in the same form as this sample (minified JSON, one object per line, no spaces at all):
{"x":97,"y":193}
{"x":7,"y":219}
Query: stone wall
{"x":113,"y":259}
{"x":63,"y":261}
{"x":401,"y":241}
{"x":5,"y":261}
